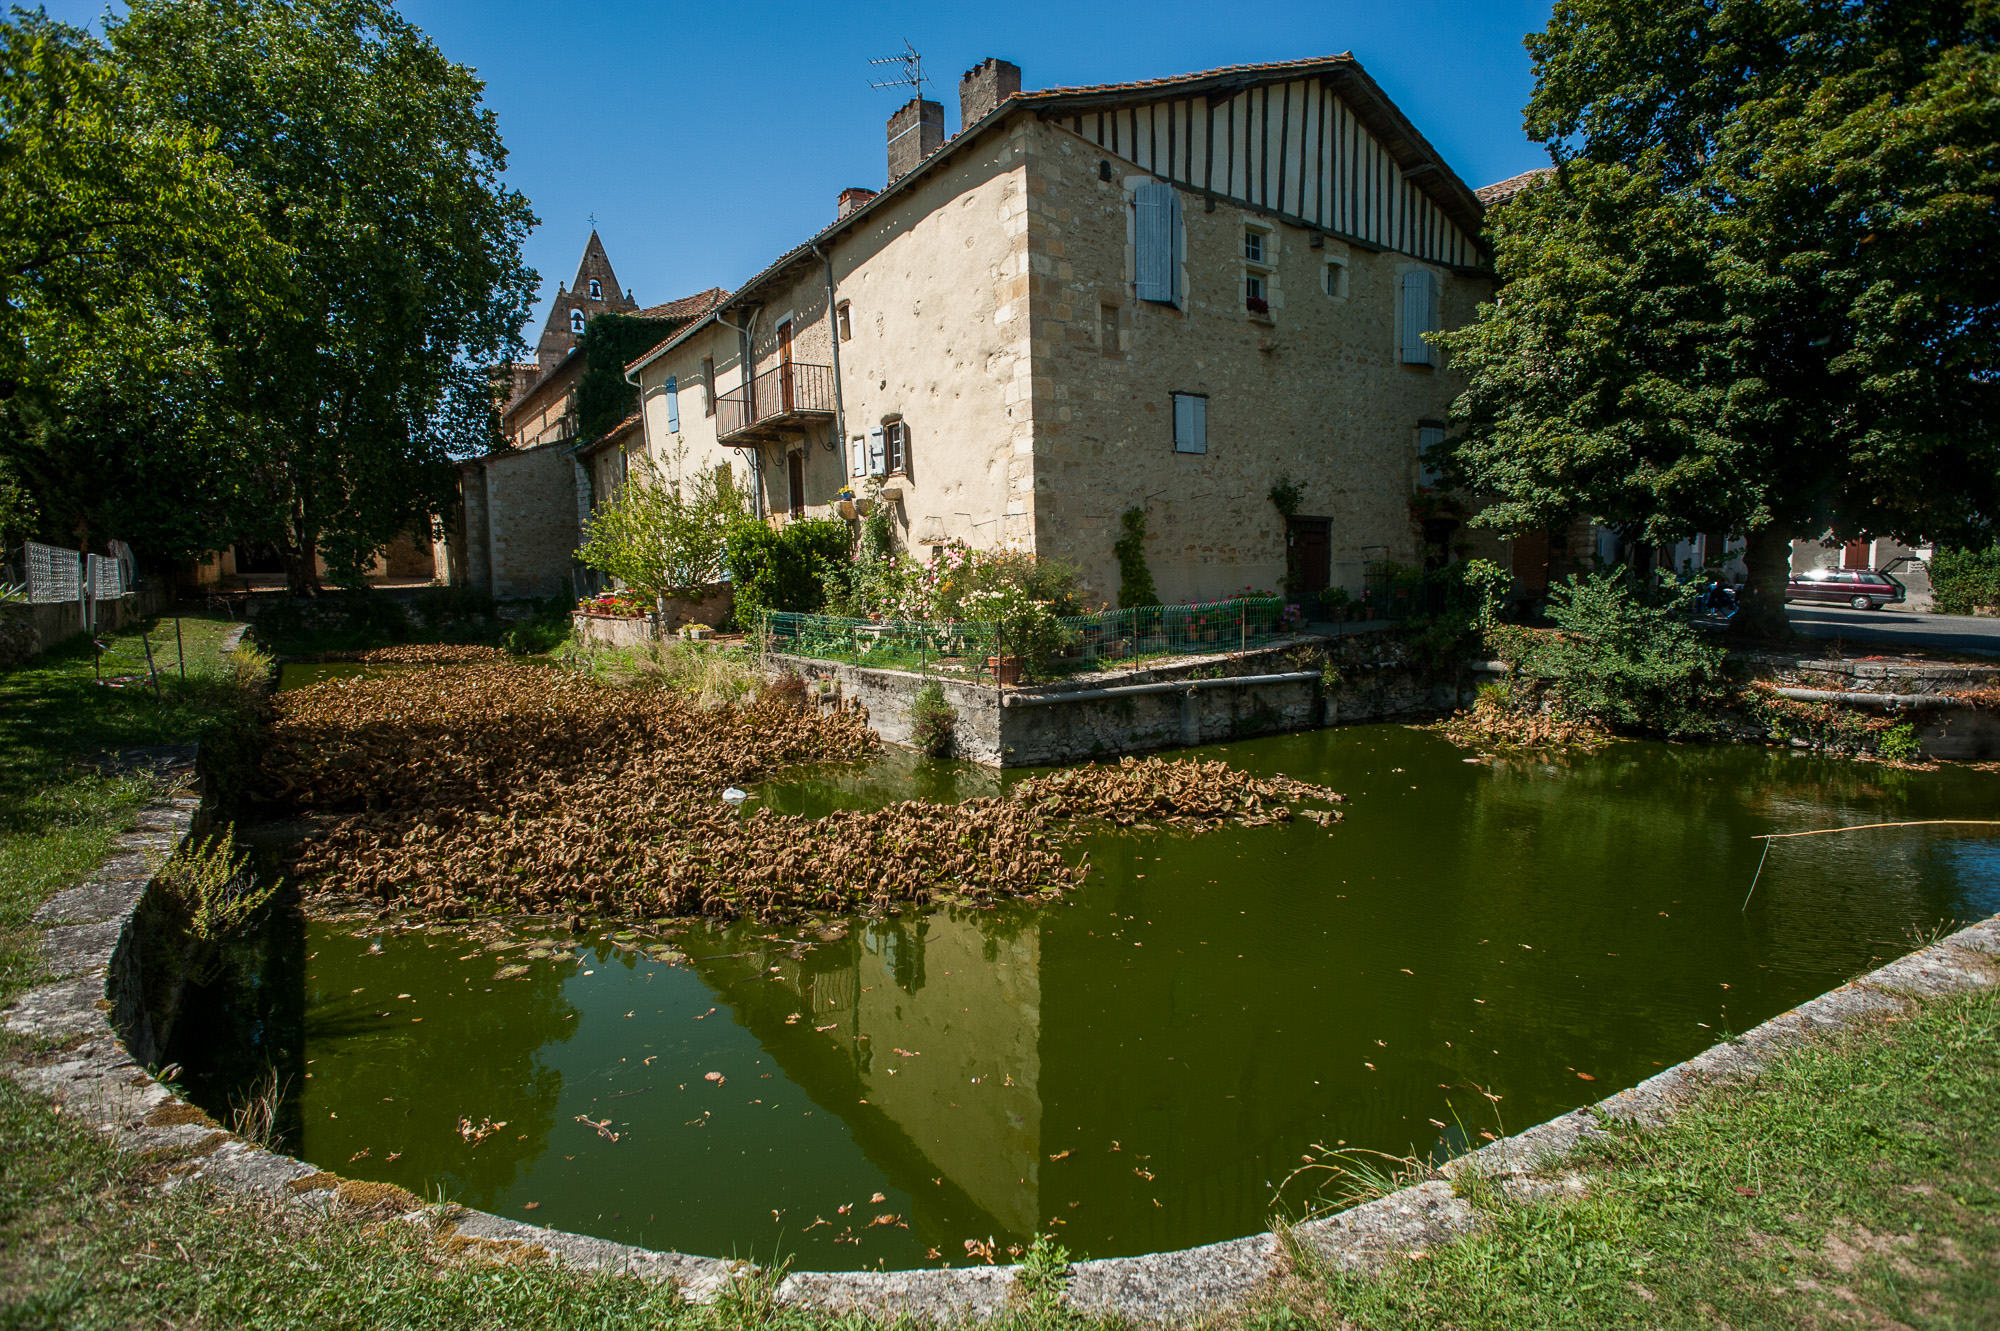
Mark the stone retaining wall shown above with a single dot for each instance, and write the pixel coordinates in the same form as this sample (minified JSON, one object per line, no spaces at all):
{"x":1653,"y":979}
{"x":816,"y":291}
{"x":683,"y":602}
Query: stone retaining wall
{"x":89,"y":1047}
{"x":1038,"y":725}
{"x":26,"y":631}
{"x":1960,"y":734}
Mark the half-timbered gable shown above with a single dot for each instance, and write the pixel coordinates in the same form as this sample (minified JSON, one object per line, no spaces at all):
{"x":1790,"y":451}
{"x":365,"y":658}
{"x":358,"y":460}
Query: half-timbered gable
{"x":1313,"y":142}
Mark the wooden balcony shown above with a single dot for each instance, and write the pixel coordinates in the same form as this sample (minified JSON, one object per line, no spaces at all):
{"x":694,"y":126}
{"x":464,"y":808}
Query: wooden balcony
{"x":783,"y":400}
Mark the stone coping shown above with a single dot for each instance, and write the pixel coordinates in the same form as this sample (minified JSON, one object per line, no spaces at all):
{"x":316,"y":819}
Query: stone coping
{"x":81,"y":1061}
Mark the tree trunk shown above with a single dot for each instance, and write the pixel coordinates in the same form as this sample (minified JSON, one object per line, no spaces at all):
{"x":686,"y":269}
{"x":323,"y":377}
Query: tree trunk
{"x":302,"y":565}
{"x":1760,"y":611}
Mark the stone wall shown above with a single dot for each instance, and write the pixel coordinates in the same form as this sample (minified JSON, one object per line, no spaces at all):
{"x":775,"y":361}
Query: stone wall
{"x":26,"y":631}
{"x":1960,"y":734}
{"x":1073,"y":721}
{"x":519,"y":525}
{"x":1315,"y":391}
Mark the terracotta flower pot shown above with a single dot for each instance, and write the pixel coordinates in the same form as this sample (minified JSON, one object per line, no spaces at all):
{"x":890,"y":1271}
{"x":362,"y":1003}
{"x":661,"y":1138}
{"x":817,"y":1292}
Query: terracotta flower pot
{"x":1007,"y":667}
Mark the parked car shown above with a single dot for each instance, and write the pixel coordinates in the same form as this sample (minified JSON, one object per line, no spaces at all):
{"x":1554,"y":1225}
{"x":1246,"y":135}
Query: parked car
{"x":1862,"y":588}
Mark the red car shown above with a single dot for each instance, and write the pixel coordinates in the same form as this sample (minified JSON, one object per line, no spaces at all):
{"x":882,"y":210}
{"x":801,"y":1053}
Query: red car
{"x":1862,"y":588}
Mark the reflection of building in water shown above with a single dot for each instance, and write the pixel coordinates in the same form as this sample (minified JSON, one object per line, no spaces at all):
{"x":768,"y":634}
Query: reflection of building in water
{"x":924,"y":1036}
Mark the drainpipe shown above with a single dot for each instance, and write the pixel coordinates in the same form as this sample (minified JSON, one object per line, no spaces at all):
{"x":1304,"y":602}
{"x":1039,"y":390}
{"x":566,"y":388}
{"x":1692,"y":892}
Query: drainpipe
{"x":743,"y":331}
{"x":833,"y":336}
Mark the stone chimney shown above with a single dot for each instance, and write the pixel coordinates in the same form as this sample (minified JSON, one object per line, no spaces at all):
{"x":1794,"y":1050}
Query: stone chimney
{"x":915,"y":132}
{"x":853,"y":198}
{"x":984,"y":87}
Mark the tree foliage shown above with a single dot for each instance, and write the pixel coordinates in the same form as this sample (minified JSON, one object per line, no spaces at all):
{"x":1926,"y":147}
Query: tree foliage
{"x":1616,"y":658}
{"x":665,"y":536}
{"x":376,"y":171}
{"x":784,"y":568}
{"x":1758,"y":295}
{"x":609,"y":343}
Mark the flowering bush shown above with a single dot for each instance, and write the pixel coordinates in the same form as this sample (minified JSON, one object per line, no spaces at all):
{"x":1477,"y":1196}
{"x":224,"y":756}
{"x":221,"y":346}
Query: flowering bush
{"x":617,"y":605}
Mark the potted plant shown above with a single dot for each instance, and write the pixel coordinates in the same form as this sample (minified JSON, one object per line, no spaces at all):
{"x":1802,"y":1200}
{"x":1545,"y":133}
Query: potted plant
{"x":1333,"y":601}
{"x":844,"y":503}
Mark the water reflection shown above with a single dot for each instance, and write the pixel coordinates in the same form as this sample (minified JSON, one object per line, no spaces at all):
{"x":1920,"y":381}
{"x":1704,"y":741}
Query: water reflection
{"x":1137,"y":1069}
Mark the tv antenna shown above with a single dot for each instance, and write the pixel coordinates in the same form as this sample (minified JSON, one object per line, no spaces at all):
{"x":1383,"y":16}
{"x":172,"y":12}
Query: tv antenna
{"x":913,"y":69}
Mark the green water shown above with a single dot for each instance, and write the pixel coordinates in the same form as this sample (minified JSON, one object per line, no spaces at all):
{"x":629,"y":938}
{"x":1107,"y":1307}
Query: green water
{"x":1138,"y":1069}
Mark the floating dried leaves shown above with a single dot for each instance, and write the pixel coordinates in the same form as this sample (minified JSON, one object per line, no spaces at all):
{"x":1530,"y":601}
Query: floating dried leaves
{"x":1492,"y":726}
{"x":521,"y":789}
{"x":420,"y":653}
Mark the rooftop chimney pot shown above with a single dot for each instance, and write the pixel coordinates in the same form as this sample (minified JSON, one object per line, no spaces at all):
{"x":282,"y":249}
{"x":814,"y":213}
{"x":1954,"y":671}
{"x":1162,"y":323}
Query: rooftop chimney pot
{"x":983,"y":87}
{"x":853,"y":197}
{"x":915,"y":132}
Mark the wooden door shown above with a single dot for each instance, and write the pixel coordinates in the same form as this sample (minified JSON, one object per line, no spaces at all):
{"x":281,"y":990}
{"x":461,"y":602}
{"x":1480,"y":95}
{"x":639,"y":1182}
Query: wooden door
{"x":1856,"y":554}
{"x":785,"y":365}
{"x":1531,"y":560}
{"x":1308,"y":557}
{"x":797,"y":464}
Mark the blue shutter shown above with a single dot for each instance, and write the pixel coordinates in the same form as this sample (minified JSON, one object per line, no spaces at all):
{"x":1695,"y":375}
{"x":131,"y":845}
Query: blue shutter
{"x":1190,"y":423}
{"x":877,"y":463}
{"x":1419,"y":316}
{"x":673,"y":406}
{"x":1157,"y":268}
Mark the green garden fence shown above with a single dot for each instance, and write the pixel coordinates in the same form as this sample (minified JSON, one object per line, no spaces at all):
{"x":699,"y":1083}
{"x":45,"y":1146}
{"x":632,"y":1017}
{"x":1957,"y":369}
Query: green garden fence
{"x":1109,"y":639}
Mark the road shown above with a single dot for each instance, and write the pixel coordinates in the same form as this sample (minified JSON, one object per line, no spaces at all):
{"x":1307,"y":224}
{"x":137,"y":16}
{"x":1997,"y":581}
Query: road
{"x":1898,"y":628}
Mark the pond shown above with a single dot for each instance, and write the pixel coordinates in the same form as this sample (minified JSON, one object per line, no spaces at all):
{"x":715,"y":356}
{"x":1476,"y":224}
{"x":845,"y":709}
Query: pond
{"x":1137,"y":1069}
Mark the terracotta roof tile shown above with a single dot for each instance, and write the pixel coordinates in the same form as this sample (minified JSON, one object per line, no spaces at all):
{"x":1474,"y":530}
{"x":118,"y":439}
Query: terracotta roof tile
{"x":1500,"y":190}
{"x":1177,"y":80}
{"x":687,"y":307}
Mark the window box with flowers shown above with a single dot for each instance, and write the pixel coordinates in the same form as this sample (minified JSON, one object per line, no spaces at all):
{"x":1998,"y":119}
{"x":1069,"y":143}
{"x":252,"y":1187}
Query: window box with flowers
{"x":1259,"y":309}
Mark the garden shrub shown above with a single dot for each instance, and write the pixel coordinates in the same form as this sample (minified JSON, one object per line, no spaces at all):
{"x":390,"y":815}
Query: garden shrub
{"x":1963,"y":581}
{"x":780,"y":568}
{"x":666,"y":535}
{"x":1460,"y":603}
{"x":931,"y":720}
{"x":1616,"y":659}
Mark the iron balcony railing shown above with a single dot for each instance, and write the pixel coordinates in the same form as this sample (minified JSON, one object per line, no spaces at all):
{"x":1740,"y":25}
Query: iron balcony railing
{"x":781,"y":395}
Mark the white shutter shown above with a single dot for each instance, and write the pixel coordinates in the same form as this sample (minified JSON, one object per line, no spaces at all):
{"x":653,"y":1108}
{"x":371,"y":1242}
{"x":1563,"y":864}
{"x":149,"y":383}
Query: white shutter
{"x":877,"y":462}
{"x":1157,"y":269}
{"x":1419,"y":316}
{"x":673,"y":406}
{"x":1190,"y":423}
{"x":857,"y":447}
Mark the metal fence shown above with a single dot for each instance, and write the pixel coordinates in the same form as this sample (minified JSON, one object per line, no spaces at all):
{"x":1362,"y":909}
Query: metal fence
{"x":975,"y":650}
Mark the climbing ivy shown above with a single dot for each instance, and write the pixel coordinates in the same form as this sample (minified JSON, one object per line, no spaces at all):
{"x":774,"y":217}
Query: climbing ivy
{"x":1135,"y":580}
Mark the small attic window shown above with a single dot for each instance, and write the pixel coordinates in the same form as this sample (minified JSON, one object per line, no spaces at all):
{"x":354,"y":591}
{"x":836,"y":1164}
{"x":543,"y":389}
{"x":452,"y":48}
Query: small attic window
{"x":576,"y":322}
{"x":596,"y":289}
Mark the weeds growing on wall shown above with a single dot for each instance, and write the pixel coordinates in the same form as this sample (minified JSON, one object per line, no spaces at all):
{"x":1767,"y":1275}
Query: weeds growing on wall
{"x":932,"y":720}
{"x":1135,"y":580}
{"x":212,"y":889}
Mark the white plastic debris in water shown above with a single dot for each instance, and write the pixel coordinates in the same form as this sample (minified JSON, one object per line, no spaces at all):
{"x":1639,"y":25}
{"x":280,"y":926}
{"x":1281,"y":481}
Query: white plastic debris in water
{"x":735,"y":796}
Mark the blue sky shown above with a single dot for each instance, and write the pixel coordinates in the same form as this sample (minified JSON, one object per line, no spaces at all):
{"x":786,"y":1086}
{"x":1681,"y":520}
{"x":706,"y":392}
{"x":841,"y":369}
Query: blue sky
{"x":708,"y":138}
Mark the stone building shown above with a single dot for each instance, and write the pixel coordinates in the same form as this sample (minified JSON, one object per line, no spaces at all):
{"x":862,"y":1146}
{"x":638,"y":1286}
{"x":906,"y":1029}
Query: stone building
{"x":522,"y":506}
{"x":1168,"y":294}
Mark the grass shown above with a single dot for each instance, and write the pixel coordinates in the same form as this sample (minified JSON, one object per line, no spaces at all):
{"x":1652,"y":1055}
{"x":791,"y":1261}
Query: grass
{"x":57,"y":817}
{"x":1858,"y":1181}
{"x":710,"y":675}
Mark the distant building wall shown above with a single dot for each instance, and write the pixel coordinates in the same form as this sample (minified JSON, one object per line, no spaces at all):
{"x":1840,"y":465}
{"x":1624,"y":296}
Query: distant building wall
{"x":517,"y":520}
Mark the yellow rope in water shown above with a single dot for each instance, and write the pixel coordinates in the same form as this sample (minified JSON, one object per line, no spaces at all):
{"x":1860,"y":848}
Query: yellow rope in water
{"x":1863,"y":827}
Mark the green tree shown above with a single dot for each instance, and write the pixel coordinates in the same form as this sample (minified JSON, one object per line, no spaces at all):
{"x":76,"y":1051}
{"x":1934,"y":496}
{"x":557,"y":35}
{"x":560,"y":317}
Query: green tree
{"x":665,"y":536}
{"x":358,"y":367}
{"x":1759,"y":294}
{"x":120,"y":222}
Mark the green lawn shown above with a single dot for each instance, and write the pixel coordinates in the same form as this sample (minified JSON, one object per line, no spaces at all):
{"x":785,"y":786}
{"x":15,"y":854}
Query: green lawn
{"x":57,"y":817}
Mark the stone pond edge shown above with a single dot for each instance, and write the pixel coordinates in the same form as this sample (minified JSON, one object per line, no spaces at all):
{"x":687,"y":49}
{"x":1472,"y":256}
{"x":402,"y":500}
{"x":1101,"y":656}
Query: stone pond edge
{"x":78,"y":1027}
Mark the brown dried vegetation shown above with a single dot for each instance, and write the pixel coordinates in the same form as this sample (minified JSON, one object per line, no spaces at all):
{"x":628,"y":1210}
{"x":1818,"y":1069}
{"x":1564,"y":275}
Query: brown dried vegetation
{"x":1494,"y":726}
{"x":420,"y":653}
{"x":478,"y":789}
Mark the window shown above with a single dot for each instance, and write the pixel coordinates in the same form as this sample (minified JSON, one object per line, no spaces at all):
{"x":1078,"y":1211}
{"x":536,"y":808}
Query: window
{"x":1190,"y":422}
{"x":1157,"y":241}
{"x":596,"y":289}
{"x":1419,"y":316}
{"x":896,"y":446}
{"x":844,"y":322}
{"x":1428,"y":438}
{"x":1259,"y":248}
{"x":1336,"y":278}
{"x":1253,"y":289}
{"x":1253,"y":246}
{"x":708,"y":385}
{"x":576,"y":323}
{"x":673,"y":406}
